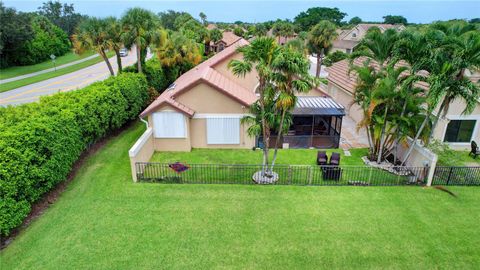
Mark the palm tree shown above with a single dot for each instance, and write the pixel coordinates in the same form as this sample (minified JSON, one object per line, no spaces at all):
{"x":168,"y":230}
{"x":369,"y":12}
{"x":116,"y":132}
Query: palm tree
{"x":92,"y":34}
{"x":363,"y":96}
{"x":460,"y":51}
{"x":378,"y":46}
{"x":203,"y":17}
{"x":320,"y":40}
{"x":178,"y":49}
{"x":141,"y":29}
{"x":291,"y":76}
{"x":114,"y":31}
{"x":259,"y":55}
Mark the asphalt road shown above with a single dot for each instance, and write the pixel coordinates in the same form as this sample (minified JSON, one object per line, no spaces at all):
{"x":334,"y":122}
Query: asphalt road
{"x":64,"y":83}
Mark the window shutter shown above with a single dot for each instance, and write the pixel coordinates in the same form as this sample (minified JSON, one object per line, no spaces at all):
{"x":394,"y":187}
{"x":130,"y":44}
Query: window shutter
{"x":223,"y":131}
{"x":169,"y":125}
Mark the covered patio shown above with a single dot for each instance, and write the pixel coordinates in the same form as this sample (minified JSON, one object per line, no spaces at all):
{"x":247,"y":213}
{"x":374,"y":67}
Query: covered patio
{"x":316,"y":123}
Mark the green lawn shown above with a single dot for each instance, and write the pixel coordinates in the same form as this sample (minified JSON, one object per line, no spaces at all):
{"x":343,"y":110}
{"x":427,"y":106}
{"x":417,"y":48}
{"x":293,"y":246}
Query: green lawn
{"x":22,"y":70}
{"x":247,"y":156}
{"x":52,"y":74}
{"x":457,"y":158}
{"x":105,"y":221}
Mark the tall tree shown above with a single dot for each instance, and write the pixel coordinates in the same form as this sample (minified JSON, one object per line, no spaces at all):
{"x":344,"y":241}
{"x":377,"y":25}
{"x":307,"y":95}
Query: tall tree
{"x":355,"y":20}
{"x":92,"y":35}
{"x":320,"y":40}
{"x":15,"y":31}
{"x":259,"y":55}
{"x":167,"y":18}
{"x":177,"y":49}
{"x":307,"y":19}
{"x":291,"y":76}
{"x":114,"y":31}
{"x":62,"y":15}
{"x":203,"y":17}
{"x":141,"y":29}
{"x":394,"y":19}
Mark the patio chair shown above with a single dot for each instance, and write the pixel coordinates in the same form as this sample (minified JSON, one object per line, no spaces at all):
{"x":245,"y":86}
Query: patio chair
{"x":322,"y":158}
{"x":335,"y":159}
{"x":475,"y":150}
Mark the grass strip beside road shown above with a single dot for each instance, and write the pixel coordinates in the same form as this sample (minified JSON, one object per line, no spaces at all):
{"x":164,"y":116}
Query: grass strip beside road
{"x":16,"y":84}
{"x":15,"y":71}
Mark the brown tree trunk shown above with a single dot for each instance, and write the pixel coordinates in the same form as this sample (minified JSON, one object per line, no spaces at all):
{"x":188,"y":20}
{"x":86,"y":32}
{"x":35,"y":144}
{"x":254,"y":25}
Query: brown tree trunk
{"x":319,"y":63}
{"x":105,"y":58}
{"x":139,"y":58}
{"x":279,"y":135}
{"x":119,"y":61}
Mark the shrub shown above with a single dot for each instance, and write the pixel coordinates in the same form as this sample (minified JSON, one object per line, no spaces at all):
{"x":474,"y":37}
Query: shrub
{"x":39,"y":142}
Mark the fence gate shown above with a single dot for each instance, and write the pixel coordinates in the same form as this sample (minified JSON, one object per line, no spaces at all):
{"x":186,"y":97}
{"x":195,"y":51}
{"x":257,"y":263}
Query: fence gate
{"x":461,"y":176}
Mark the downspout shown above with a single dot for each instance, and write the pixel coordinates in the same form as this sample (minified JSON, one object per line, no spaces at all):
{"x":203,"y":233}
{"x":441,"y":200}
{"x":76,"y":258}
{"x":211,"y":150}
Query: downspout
{"x":141,"y":119}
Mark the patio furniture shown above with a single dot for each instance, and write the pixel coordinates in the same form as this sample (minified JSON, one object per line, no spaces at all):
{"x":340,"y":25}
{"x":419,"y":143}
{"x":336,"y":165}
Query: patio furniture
{"x":335,"y":159}
{"x":322,"y":158}
{"x":331,"y":173}
{"x":475,"y":150}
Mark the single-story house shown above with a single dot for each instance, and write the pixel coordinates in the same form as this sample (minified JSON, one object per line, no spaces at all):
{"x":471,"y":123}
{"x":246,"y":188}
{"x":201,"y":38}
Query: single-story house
{"x":456,"y":129}
{"x":347,"y":40}
{"x":228,"y":38}
{"x":203,"y":108}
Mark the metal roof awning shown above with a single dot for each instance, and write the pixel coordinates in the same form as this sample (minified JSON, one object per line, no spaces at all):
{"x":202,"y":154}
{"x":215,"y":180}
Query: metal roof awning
{"x":318,"y":106}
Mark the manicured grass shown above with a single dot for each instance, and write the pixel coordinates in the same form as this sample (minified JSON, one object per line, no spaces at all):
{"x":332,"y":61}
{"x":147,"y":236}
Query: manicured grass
{"x":246,"y":156}
{"x":22,"y":70}
{"x":105,"y":221}
{"x":45,"y":76}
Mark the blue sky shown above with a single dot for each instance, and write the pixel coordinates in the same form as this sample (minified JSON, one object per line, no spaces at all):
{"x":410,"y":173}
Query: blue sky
{"x":423,"y":11}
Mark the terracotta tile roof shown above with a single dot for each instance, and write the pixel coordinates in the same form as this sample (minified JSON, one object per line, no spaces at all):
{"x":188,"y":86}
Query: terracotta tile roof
{"x":382,"y":26}
{"x":229,"y":38}
{"x":345,"y":44}
{"x":211,"y":26}
{"x":204,"y":73}
{"x":338,"y":74}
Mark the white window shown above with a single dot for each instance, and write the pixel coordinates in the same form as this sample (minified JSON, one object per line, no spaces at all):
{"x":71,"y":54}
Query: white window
{"x":223,"y":130}
{"x":169,"y":125}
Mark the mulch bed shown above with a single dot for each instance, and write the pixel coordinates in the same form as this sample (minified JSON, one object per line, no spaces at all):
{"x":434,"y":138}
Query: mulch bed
{"x":39,"y":207}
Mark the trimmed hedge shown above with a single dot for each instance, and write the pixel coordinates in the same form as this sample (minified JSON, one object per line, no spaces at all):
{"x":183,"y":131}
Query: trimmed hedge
{"x":39,"y":142}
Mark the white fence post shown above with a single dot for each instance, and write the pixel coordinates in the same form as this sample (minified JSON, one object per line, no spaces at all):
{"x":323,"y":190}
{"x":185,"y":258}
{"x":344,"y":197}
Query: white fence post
{"x":431,"y":171}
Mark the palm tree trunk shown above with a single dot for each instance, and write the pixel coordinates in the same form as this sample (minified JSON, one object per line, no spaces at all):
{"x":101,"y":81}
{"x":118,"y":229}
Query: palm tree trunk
{"x":379,"y":158}
{"x":435,"y":122}
{"x":319,"y":63}
{"x":139,"y":57}
{"x":119,"y":61}
{"x":419,"y":132}
{"x":397,"y":133}
{"x":278,"y":139}
{"x":105,"y":58}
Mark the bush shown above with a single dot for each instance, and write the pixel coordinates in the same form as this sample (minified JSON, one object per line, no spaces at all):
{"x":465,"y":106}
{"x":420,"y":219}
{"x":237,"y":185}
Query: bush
{"x":39,"y":142}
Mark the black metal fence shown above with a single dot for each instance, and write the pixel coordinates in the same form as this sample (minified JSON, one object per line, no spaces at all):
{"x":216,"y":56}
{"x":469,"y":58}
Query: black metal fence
{"x":284,"y":174}
{"x":456,"y":176}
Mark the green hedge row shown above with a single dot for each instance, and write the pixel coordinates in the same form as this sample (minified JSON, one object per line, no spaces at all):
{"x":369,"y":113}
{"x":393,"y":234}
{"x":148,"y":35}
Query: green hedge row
{"x":39,"y":142}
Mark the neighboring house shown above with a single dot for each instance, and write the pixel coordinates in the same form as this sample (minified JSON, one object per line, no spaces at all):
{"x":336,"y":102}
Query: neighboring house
{"x":282,"y":40}
{"x":203,"y":108}
{"x":228,"y":38}
{"x":211,"y":26}
{"x":347,"y":40}
{"x":456,"y":129}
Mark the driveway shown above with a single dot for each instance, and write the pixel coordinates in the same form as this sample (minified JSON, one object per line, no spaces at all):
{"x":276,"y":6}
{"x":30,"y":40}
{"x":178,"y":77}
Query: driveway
{"x":64,"y":83}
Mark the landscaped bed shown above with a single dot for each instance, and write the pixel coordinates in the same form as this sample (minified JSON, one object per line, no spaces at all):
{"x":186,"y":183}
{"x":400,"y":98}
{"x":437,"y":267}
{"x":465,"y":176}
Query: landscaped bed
{"x":105,"y":221}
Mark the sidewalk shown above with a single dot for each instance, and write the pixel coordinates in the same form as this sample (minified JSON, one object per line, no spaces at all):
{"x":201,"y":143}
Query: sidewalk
{"x":21,"y":77}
